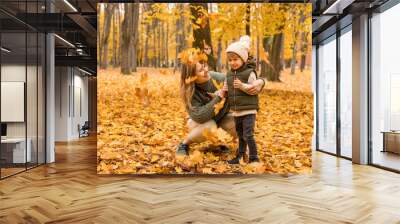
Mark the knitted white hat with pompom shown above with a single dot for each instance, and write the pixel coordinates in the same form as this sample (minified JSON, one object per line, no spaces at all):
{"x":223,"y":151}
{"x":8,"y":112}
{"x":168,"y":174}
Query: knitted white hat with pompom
{"x":240,"y":47}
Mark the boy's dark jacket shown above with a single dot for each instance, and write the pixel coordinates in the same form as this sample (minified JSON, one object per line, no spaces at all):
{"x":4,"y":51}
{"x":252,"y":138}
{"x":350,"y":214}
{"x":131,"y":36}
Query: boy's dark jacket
{"x":239,"y":100}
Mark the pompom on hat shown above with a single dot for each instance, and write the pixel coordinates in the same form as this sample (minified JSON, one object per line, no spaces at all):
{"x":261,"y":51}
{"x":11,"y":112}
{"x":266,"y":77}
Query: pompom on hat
{"x":240,"y":47}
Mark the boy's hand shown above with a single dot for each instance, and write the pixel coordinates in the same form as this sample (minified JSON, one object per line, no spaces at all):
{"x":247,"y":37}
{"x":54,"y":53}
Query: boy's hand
{"x":225,"y":87}
{"x":255,"y":87}
{"x":237,"y":84}
{"x":252,"y":89}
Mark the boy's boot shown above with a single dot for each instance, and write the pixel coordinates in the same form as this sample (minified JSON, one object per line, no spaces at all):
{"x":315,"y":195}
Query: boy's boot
{"x":236,"y":160}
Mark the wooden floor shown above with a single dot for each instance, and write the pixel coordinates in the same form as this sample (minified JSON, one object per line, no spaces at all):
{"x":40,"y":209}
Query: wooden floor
{"x":70,"y":191}
{"x":387,"y":159}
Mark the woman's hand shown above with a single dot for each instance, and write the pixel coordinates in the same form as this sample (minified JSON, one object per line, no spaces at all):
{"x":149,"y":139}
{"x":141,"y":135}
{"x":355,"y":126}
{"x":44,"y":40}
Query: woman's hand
{"x":256,"y":87}
{"x":219,"y":93}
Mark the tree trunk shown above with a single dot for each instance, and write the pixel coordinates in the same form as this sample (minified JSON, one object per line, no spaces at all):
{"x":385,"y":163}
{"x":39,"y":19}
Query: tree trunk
{"x":146,"y":8}
{"x":295,"y":44}
{"x":271,"y":70}
{"x":294,"y":53}
{"x":180,"y":35}
{"x":178,"y":41}
{"x":219,"y":53}
{"x":146,"y":47}
{"x":114,"y":27}
{"x":135,"y":34}
{"x":201,"y":33}
{"x":226,"y":58}
{"x":120,"y":34}
{"x":159,"y":25}
{"x":162,"y":40}
{"x":126,"y":39}
{"x":100,"y":41}
{"x":106,"y":34}
{"x":248,"y":19}
{"x":276,"y":52}
{"x":153,"y":32}
{"x":166,"y":46}
{"x":304,"y":46}
{"x":265,"y":65}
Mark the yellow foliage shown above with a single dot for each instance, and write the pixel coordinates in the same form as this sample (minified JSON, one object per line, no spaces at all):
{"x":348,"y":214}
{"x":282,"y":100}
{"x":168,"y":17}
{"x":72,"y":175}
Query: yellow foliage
{"x":218,"y":106}
{"x":142,"y":138}
{"x":227,"y":23}
{"x":192,"y":56}
{"x":217,"y":85}
{"x":217,"y":136}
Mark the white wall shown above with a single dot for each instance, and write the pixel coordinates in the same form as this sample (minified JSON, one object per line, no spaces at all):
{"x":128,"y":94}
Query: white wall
{"x":33,"y":127}
{"x":314,"y":88}
{"x":12,"y":73}
{"x":62,"y":81}
{"x":70,"y":84}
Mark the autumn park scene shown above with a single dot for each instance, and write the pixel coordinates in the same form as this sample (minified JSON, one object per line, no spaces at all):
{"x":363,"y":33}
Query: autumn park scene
{"x":162,"y":103}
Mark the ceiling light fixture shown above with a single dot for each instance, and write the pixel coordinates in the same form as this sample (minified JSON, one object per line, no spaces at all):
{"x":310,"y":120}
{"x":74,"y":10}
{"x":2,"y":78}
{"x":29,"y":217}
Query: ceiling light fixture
{"x":5,"y":50}
{"x":70,"y":5}
{"x":64,"y":40}
{"x":86,"y":72}
{"x":337,"y":7}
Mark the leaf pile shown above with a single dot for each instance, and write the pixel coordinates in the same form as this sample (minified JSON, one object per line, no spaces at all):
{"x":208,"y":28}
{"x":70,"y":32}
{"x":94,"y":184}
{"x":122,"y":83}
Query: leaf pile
{"x":141,"y":120}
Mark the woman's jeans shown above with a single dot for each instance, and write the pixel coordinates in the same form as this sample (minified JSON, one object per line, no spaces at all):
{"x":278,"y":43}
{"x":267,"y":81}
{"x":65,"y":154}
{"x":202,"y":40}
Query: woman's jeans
{"x":196,"y":130}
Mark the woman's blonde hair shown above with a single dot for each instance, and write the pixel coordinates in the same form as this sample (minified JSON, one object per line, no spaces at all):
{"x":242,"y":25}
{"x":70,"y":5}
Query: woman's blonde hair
{"x":189,"y":59}
{"x":188,"y":72}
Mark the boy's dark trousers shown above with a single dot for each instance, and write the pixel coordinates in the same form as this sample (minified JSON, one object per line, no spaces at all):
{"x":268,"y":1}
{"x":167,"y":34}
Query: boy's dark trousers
{"x":245,"y":131}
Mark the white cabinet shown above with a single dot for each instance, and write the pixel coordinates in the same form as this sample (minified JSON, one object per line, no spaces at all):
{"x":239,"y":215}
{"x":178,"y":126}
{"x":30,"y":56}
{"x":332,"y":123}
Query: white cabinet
{"x":18,"y":149}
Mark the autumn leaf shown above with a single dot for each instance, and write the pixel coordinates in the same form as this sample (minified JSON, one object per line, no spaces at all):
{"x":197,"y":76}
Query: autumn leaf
{"x":217,"y":85}
{"x":191,"y":79}
{"x":196,"y":157}
{"x":178,"y":170}
{"x":138,"y":93}
{"x":221,"y":168}
{"x":202,"y":21}
{"x":217,"y":135}
{"x":218,"y":106}
{"x":192,"y":56}
{"x":111,"y":155}
{"x":126,"y":169}
{"x":297,"y":163}
{"x":139,"y":140}
{"x":207,"y":170}
{"x":143,"y":78}
{"x":164,"y":71}
{"x":154,"y":158}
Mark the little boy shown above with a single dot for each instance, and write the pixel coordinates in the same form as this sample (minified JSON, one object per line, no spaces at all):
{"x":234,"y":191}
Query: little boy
{"x":243,"y":105}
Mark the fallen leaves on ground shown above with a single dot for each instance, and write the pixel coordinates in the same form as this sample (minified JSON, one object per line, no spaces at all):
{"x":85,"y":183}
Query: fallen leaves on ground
{"x":217,"y":136}
{"x":141,"y":120}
